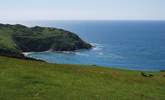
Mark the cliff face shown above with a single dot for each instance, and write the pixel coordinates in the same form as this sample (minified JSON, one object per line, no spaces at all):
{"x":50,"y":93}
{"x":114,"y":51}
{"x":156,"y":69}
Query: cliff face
{"x":15,"y":39}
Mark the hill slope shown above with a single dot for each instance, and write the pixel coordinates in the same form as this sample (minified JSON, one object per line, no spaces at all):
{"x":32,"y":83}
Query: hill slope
{"x":15,"y":39}
{"x":31,"y":80}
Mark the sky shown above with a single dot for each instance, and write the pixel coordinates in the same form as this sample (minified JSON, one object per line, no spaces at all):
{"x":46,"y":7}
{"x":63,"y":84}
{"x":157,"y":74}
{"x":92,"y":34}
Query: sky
{"x":82,"y":10}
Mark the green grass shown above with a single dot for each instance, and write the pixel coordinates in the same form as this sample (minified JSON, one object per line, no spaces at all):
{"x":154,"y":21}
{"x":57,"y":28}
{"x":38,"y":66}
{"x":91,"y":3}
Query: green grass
{"x":6,"y":41}
{"x":31,"y":80}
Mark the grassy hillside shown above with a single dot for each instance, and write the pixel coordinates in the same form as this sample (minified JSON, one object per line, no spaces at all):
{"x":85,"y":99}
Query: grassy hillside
{"x":15,"y":39}
{"x":31,"y":80}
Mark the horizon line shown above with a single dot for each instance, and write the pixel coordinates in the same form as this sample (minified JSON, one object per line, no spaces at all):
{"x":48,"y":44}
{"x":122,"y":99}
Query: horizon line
{"x":86,"y":20}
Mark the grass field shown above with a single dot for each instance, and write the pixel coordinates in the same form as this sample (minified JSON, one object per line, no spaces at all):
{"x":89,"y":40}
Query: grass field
{"x":31,"y":80}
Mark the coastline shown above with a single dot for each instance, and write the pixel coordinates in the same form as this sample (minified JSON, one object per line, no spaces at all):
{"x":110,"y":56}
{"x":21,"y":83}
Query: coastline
{"x":92,"y":65}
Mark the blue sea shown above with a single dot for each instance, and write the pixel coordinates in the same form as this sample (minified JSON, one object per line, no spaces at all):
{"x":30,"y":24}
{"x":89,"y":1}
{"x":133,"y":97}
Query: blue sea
{"x":133,"y":45}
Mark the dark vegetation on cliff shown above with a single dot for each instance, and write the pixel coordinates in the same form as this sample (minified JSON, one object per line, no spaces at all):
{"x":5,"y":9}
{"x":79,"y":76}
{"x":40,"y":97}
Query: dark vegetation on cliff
{"x":15,"y":39}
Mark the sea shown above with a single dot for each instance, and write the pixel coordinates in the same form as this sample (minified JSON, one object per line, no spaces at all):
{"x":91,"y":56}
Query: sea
{"x":132,"y":45}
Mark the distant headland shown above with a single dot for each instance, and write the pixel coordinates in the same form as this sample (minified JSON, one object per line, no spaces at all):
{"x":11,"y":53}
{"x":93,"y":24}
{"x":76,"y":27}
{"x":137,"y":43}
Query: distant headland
{"x":16,"y":39}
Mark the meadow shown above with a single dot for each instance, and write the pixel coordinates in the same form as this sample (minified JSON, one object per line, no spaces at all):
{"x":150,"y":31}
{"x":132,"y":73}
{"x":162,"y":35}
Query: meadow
{"x":35,"y":80}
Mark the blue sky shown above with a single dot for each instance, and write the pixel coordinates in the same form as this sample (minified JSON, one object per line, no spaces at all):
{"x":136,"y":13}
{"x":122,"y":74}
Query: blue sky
{"x":82,"y":10}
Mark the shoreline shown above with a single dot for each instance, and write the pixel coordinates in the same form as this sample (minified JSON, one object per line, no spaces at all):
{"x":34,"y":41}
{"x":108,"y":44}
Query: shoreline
{"x":86,"y":65}
{"x":93,"y":65}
